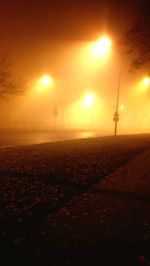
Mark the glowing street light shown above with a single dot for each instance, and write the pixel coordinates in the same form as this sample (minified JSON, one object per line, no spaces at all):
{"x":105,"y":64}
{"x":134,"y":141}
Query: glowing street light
{"x":89,"y":99}
{"x":122,"y":107}
{"x":101,"y":47}
{"x":46,"y":80}
{"x":146,"y":81}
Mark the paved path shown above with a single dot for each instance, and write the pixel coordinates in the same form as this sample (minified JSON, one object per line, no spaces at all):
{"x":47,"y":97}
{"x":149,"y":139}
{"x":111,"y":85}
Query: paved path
{"x":113,"y":217}
{"x":126,"y":190}
{"x":109,"y":224}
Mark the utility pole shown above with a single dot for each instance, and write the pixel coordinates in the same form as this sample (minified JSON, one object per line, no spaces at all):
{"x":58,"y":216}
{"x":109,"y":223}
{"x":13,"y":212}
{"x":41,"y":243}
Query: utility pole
{"x":116,"y":114}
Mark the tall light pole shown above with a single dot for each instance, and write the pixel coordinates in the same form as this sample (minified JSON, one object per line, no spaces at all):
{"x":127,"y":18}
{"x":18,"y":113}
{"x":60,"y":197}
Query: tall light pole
{"x":116,"y":114}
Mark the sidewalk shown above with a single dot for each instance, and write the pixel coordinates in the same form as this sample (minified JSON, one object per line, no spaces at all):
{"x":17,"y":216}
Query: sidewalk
{"x":107,"y":225}
{"x":112,"y":219}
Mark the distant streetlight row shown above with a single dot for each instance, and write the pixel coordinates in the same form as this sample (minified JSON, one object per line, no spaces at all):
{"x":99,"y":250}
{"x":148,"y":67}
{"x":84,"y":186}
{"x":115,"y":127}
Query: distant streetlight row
{"x":99,"y":48}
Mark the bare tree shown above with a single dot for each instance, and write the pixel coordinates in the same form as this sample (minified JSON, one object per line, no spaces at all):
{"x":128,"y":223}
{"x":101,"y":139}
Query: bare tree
{"x":137,"y":39}
{"x":8,"y":84}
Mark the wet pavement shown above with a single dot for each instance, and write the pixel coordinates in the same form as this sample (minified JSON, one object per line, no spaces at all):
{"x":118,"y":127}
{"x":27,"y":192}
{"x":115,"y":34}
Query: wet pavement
{"x":19,"y":138}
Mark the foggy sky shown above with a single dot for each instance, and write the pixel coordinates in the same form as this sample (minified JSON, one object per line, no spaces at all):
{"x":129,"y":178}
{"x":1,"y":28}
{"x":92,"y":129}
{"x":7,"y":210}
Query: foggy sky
{"x":29,"y":28}
{"x":66,"y":19}
{"x":48,"y":37}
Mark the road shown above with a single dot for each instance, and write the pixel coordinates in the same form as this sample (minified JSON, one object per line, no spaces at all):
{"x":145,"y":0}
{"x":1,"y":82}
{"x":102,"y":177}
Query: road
{"x":18,"y":138}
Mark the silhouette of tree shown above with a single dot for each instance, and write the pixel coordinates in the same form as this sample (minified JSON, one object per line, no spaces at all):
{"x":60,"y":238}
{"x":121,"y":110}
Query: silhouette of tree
{"x":137,"y":38}
{"x":8,"y":84}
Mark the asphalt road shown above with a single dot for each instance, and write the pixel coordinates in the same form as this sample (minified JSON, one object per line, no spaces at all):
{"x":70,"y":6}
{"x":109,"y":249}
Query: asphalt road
{"x":18,"y":138}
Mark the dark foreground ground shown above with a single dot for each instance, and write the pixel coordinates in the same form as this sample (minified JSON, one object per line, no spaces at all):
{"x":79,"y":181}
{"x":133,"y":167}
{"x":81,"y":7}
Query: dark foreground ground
{"x":80,"y":202}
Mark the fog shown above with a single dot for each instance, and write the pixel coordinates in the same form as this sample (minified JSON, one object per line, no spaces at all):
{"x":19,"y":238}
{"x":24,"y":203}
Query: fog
{"x":76,"y":73}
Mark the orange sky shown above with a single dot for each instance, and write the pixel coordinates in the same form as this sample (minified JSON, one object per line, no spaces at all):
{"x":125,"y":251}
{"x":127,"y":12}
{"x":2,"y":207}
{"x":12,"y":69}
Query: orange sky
{"x":50,"y":37}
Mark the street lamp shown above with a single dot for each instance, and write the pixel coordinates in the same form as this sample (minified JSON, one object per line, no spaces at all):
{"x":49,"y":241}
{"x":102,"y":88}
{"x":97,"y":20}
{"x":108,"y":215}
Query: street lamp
{"x":122,"y":107}
{"x":89,"y":99}
{"x":146,"y":81}
{"x":46,"y":81}
{"x":116,"y":114}
{"x":101,"y":47}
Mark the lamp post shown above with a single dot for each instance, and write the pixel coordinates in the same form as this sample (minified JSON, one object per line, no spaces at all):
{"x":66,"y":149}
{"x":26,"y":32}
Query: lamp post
{"x":116,"y":114}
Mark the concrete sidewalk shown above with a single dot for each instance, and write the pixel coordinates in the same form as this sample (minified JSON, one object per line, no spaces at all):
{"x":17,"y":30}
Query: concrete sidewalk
{"x":113,"y":215}
{"x":106,"y":224}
